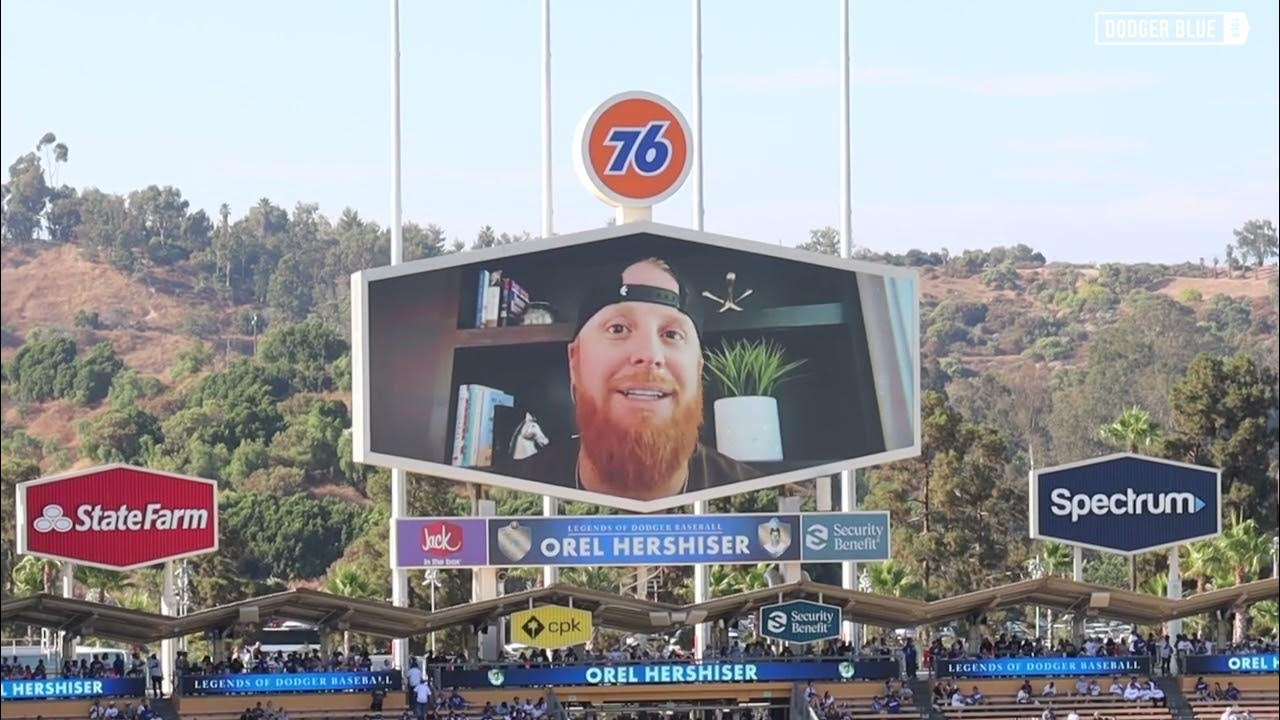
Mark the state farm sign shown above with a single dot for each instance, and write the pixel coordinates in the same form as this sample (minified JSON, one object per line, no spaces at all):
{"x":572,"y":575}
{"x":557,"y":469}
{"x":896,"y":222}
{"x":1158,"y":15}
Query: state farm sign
{"x":117,"y":517}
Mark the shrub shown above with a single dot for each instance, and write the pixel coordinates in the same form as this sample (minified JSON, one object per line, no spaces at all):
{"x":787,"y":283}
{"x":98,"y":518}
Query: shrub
{"x":1190,"y":296}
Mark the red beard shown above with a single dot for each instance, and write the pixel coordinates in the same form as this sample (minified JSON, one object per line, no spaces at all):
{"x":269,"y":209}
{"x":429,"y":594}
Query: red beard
{"x":636,"y":458}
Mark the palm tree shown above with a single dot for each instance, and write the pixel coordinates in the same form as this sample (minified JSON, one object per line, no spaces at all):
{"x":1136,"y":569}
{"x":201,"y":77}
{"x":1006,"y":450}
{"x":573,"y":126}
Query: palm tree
{"x":29,"y":576}
{"x":1056,"y":559}
{"x":1133,"y":430}
{"x":1157,"y":585}
{"x":348,"y":582}
{"x":102,"y":586}
{"x":891,"y":578}
{"x":1206,"y":563}
{"x":1266,"y":616}
{"x":593,"y":578}
{"x":1247,"y":552}
{"x":731,"y":580}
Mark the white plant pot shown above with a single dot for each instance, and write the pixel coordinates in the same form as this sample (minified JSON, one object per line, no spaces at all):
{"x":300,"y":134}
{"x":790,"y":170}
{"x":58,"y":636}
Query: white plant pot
{"x":747,"y":428}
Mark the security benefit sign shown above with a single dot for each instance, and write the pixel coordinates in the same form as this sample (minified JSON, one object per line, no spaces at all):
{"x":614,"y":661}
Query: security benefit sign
{"x":800,"y":621}
{"x":640,"y":366}
{"x":551,"y":627}
{"x":1126,"y":503}
{"x":860,"y":536}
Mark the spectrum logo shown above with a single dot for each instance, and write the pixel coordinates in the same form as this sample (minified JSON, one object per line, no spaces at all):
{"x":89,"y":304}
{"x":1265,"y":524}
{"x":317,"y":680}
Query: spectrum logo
{"x":1079,"y":505}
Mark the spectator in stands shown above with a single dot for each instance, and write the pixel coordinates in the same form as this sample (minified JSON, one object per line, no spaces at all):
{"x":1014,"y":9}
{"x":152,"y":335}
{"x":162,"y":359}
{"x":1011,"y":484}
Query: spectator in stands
{"x":456,"y":701}
{"x":157,"y":676}
{"x":1024,"y":693}
{"x":1232,"y":693}
{"x":1202,"y":690}
{"x":1048,"y":714}
{"x":909,"y":659}
{"x":1050,"y":690}
{"x":1116,"y":687}
{"x":96,"y":711}
{"x":1082,"y":686}
{"x":1154,"y":694}
{"x":112,"y":711}
{"x":893,"y":705}
{"x":422,"y":696}
{"x":1133,"y":691}
{"x":1094,"y":689}
{"x":1073,"y":715}
{"x":976,"y":697}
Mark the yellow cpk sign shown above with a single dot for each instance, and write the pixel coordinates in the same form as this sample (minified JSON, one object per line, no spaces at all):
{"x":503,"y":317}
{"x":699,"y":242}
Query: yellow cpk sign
{"x":551,"y":627}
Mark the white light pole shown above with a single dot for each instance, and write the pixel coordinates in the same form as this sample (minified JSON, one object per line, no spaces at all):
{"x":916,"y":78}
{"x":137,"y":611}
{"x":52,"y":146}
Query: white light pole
{"x":701,"y":579}
{"x":399,"y":499}
{"x":550,"y":506}
{"x":848,"y":478}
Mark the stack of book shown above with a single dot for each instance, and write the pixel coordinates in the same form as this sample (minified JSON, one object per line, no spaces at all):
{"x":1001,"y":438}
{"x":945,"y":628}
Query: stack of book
{"x":500,"y":301}
{"x":473,"y":436}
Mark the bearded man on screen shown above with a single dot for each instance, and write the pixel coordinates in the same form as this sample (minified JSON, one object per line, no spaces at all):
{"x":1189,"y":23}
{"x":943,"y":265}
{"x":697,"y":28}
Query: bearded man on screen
{"x":635,"y":378}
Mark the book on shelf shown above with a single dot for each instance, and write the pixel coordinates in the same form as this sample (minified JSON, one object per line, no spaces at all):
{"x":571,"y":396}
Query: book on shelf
{"x":500,"y":301}
{"x":473,"y":436}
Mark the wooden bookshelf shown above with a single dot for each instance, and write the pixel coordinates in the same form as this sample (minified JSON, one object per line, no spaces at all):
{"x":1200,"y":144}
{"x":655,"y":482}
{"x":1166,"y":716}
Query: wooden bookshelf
{"x":513,"y":335}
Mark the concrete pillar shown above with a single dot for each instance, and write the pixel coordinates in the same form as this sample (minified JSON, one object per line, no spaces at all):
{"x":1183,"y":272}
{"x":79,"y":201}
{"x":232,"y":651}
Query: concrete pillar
{"x":484,"y":586}
{"x":701,"y":593}
{"x":169,"y":606}
{"x":550,"y":506}
{"x":790,"y":571}
{"x":67,"y":641}
{"x":848,"y":568}
{"x":1077,"y":618}
{"x":1174,"y":627}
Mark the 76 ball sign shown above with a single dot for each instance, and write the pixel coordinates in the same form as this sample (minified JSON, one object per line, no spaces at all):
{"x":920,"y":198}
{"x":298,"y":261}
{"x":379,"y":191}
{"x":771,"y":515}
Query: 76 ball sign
{"x":632,"y":150}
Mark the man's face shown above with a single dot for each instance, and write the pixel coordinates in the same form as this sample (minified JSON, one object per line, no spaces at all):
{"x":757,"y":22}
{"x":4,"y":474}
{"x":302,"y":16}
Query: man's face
{"x":636,"y":371}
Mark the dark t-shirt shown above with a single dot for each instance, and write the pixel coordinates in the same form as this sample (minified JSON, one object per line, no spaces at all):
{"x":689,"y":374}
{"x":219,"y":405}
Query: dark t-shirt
{"x":556,"y":465}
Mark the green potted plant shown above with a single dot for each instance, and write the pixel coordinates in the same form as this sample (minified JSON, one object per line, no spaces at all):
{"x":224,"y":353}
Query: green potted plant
{"x":746,"y":374}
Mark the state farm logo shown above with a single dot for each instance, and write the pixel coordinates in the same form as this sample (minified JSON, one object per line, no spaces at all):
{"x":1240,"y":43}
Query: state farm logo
{"x":96,"y":518}
{"x":441,"y":538}
{"x":53,"y":519}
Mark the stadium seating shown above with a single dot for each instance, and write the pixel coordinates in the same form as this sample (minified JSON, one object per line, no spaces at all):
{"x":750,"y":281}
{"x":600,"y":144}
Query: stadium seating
{"x":1001,"y":704}
{"x":1259,"y":694}
{"x":854,"y":699}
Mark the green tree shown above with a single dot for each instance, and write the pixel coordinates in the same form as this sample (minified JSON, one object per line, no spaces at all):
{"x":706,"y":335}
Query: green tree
{"x":95,"y":373}
{"x":25,"y":200}
{"x":1247,"y":552}
{"x":734,"y":579}
{"x":1223,"y":410}
{"x":1135,"y":430}
{"x":305,"y":354}
{"x":351,"y":583}
{"x":121,"y":435}
{"x":890,"y":578}
{"x":825,"y":240}
{"x":1257,"y":239}
{"x":44,"y":367}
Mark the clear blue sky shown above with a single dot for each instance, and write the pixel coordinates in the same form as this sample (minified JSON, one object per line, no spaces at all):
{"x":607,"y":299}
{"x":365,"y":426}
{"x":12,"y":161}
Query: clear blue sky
{"x":975,"y":124}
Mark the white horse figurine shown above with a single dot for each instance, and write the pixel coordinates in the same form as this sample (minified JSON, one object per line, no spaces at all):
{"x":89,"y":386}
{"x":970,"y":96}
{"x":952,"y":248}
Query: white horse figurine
{"x":528,"y":438}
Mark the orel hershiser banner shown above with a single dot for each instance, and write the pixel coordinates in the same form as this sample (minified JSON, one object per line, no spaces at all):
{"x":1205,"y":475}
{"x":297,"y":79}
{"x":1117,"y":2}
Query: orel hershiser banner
{"x":1206,"y":664}
{"x":266,"y":683}
{"x":1043,"y":666}
{"x":59,"y":688}
{"x":641,"y":540}
{"x":673,"y":673}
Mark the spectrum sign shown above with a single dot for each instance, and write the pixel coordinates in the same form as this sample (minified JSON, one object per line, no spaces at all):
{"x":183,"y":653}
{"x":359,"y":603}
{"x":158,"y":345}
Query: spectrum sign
{"x":1126,"y":503}
{"x":117,"y":517}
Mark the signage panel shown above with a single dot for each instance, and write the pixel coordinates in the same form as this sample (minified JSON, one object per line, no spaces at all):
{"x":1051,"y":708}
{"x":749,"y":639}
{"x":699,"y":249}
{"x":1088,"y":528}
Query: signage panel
{"x":1043,"y":666}
{"x":117,"y":517}
{"x":440,"y":542}
{"x":71,"y":688}
{"x":1221,"y":664}
{"x":800,"y":621}
{"x":858,"y":536}
{"x":612,"y":540}
{"x":267,"y":683}
{"x":504,"y":366}
{"x":551,"y":627}
{"x":1126,"y":503}
{"x":673,"y":673}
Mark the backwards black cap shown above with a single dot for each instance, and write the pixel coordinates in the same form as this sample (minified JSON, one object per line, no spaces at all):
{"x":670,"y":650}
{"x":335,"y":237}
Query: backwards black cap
{"x":610,"y":289}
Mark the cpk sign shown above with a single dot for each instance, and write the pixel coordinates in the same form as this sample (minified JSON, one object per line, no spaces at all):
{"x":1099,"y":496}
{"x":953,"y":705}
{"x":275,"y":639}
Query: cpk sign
{"x":117,"y":517}
{"x":1126,"y":503}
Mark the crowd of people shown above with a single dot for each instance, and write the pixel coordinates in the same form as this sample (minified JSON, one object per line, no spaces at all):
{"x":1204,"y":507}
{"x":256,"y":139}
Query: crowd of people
{"x":895,"y":696}
{"x":125,"y":711}
{"x":248,"y":660}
